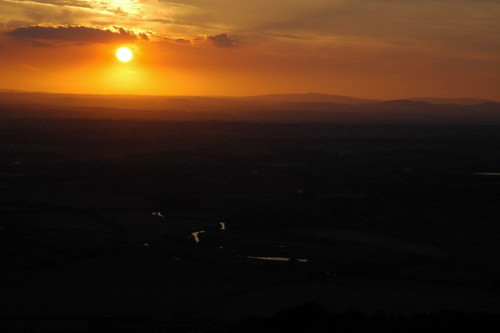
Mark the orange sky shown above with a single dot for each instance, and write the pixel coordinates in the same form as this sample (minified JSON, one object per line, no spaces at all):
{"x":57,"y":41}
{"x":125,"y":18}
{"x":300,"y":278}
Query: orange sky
{"x":361,"y":48}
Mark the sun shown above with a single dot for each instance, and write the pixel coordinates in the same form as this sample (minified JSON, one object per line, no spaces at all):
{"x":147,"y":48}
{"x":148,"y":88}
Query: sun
{"x":124,"y":54}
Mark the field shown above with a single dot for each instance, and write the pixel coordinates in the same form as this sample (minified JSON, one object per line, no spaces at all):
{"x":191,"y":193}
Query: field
{"x":224,"y":220}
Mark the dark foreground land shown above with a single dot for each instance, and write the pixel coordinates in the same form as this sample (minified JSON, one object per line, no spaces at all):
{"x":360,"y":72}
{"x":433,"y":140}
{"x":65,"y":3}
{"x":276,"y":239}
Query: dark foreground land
{"x":121,"y":225}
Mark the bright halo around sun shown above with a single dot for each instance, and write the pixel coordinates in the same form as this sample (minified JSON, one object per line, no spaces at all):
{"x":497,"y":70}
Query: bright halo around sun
{"x":124,"y":54}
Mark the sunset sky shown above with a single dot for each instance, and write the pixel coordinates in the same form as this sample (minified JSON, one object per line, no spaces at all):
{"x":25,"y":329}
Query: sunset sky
{"x":361,"y":48}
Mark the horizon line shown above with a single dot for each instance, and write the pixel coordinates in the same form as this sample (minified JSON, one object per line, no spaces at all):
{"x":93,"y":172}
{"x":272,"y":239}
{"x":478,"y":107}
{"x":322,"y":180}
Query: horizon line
{"x":6,"y":90}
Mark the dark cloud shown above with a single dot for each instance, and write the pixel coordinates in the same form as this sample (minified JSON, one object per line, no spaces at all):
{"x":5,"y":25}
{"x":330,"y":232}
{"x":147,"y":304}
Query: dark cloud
{"x":78,"y":34}
{"x":39,"y":43}
{"x":222,"y":40}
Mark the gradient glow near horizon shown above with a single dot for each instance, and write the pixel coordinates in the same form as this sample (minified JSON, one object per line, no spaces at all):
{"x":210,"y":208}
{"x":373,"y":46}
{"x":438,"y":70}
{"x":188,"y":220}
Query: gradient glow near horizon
{"x":363,"y":48}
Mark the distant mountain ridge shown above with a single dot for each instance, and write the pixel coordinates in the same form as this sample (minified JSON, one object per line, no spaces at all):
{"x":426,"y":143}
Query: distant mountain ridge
{"x":269,"y":98}
{"x":326,"y":98}
{"x":310,"y":98}
{"x":456,"y":101}
{"x":266,"y":108}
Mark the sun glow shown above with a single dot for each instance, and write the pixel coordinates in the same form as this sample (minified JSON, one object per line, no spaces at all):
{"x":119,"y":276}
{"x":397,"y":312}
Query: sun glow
{"x":124,"y":54}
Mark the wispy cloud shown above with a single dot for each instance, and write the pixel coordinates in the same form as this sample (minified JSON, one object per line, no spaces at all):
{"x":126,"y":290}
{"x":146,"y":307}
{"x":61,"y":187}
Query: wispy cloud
{"x":70,"y":3}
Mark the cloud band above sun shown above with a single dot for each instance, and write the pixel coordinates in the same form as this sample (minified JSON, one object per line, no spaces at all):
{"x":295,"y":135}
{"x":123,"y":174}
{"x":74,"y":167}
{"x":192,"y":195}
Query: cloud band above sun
{"x":77,"y":34}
